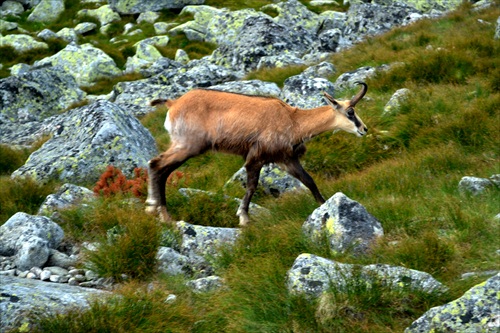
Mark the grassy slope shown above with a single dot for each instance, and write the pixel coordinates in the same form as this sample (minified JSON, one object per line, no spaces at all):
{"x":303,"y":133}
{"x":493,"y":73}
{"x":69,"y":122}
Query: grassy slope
{"x":405,"y":173}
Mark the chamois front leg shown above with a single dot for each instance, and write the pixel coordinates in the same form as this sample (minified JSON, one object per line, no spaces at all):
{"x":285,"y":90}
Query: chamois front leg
{"x":294,"y":168}
{"x":253,"y":173}
{"x":160,"y":168}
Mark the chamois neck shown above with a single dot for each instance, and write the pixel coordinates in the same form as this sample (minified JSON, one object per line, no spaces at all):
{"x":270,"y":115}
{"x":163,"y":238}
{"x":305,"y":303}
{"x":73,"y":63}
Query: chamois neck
{"x":313,"y":122}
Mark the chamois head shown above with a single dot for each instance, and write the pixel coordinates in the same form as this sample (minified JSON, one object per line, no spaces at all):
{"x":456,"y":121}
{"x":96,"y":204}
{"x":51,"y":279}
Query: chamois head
{"x":348,"y":120}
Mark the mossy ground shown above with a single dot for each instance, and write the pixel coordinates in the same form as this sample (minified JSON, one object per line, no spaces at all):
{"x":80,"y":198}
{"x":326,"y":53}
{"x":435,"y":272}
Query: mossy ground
{"x":405,"y":173}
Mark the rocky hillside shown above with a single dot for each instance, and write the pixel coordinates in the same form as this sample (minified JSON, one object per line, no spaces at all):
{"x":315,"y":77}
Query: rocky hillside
{"x":48,"y":92}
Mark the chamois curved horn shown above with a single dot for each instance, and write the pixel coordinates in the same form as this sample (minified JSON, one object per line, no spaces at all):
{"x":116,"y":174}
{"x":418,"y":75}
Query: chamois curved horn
{"x":360,"y":95}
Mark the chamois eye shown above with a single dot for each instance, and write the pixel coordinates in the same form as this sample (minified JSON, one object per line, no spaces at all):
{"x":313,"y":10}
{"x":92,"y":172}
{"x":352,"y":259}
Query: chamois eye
{"x":350,"y":112}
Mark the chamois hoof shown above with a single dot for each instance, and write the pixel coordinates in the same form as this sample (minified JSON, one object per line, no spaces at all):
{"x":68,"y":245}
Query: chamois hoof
{"x":244,"y":221}
{"x":151,"y":210}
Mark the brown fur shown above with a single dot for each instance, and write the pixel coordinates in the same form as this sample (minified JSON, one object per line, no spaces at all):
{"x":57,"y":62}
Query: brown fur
{"x":260,"y":129}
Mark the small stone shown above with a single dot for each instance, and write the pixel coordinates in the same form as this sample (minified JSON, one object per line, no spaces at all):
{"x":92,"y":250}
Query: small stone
{"x":76,"y":271}
{"x":55,"y":278}
{"x":79,"y":278}
{"x":73,"y":282}
{"x":64,"y":279}
{"x":36,"y":270}
{"x":45,"y":275}
{"x":23,"y":274}
{"x":89,"y":275}
{"x":10,"y":272}
{"x":170,"y":299}
{"x":32,"y":276}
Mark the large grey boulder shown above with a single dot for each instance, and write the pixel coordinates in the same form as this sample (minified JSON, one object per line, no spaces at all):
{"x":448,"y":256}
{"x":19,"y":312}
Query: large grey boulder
{"x":20,"y":297}
{"x":293,"y":13}
{"x":22,"y":43}
{"x":47,"y":11}
{"x":29,"y":239}
{"x":478,"y":310}
{"x":261,"y":36}
{"x":202,"y":243}
{"x":88,"y":140}
{"x":368,"y":19}
{"x":136,"y":7}
{"x":37,"y":94}
{"x":313,"y":275}
{"x":345,"y":223}
{"x":86,"y":63}
{"x":272,"y":179}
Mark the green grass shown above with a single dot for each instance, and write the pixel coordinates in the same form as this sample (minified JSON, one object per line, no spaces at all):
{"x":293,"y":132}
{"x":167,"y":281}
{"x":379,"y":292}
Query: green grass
{"x":405,"y":172}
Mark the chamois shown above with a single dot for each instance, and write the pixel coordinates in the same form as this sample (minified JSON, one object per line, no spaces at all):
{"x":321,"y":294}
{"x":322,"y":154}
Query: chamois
{"x":261,"y":129}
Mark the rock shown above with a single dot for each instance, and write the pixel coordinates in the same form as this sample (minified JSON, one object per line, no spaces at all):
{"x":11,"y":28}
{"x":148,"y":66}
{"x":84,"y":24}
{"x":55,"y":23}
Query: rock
{"x":272,"y":179}
{"x":294,"y":14}
{"x":475,"y":311}
{"x":181,"y":56}
{"x":59,"y":259}
{"x":161,"y":28}
{"x":348,"y":80}
{"x":346,"y":224}
{"x":47,"y":11}
{"x":305,"y":92}
{"x":37,"y":94}
{"x":91,"y":138}
{"x":322,"y":70}
{"x":312,"y":275}
{"x":18,"y":297}
{"x":200,"y":241}
{"x":205,"y":285}
{"x":29,"y":238}
{"x":7,"y":26}
{"x":426,"y":5}
{"x":280,"y":61}
{"x":86,"y":63}
{"x":22,"y":43}
{"x":68,"y":195}
{"x":68,"y":35}
{"x":258,"y":37}
{"x":249,"y":87}
{"x":474,"y":185}
{"x":45,"y":275}
{"x":47,"y":34}
{"x":136,"y":7}
{"x":330,"y":40}
{"x":104,"y":14}
{"x":11,"y":8}
{"x":222,"y":26}
{"x":172,"y":262}
{"x":148,"y":17}
{"x":85,"y":27}
{"x":332,"y":20}
{"x":368,"y":19}
{"x":394,"y":104}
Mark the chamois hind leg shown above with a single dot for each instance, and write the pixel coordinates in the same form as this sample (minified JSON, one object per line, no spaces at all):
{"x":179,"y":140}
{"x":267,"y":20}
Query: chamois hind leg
{"x":294,"y":168}
{"x":160,"y":168}
{"x":253,"y":172}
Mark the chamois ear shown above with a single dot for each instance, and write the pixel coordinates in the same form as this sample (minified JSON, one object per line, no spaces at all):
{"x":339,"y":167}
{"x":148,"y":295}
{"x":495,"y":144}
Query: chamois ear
{"x":330,"y":100}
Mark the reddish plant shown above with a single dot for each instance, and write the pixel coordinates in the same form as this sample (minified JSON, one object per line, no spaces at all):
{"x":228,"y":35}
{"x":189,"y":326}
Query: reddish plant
{"x":113,"y":182}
